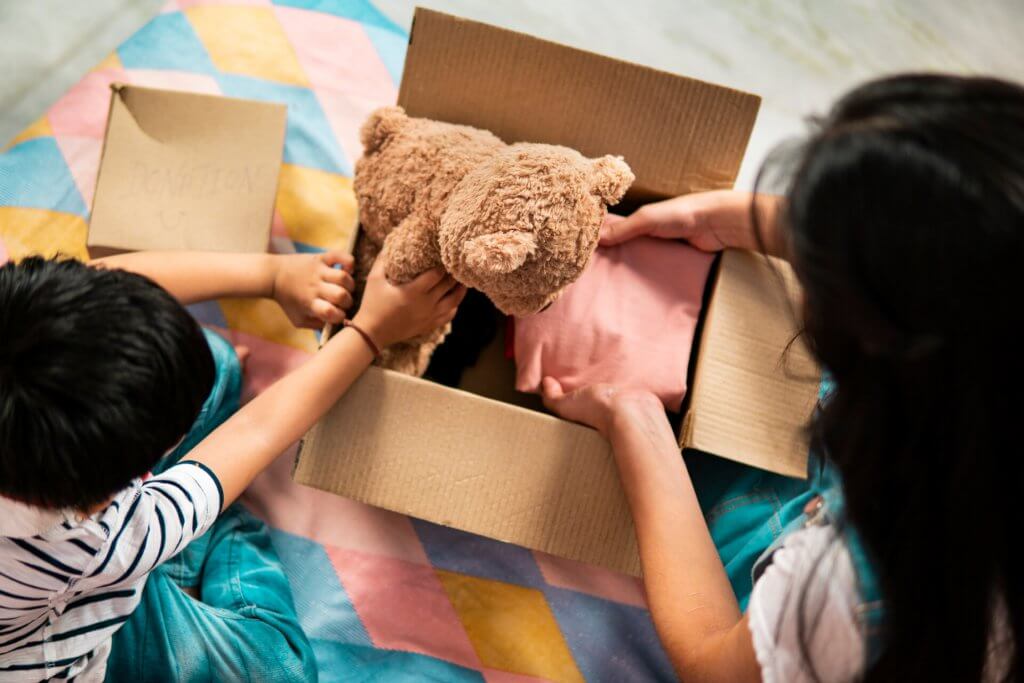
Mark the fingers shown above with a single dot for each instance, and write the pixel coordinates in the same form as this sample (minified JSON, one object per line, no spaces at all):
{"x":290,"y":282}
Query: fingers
{"x":327,"y":312}
{"x":444,"y":285}
{"x":453,"y":297}
{"x":551,"y":391}
{"x":565,"y":405}
{"x":331,"y":303}
{"x":335,"y":294}
{"x":377,"y":269}
{"x":444,"y":318}
{"x":557,"y":400}
{"x":670,"y":218}
{"x":425,"y":282}
{"x":609,"y":228}
{"x":448,"y":305}
{"x":336,"y":257}
{"x":338,"y":277}
{"x":617,"y":229}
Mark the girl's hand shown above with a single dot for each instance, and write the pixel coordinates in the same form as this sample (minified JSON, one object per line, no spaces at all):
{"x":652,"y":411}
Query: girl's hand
{"x":393,"y":313}
{"x":710,"y":221}
{"x":598,"y":405}
{"x":310,"y":290}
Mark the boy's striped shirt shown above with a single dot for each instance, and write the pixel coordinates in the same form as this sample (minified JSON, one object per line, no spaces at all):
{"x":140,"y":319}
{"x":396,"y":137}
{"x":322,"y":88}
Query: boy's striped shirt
{"x":65,"y":589}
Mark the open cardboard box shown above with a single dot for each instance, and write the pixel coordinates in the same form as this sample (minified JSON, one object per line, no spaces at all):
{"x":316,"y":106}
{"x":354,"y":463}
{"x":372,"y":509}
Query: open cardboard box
{"x":186,"y":171}
{"x":477,"y":462}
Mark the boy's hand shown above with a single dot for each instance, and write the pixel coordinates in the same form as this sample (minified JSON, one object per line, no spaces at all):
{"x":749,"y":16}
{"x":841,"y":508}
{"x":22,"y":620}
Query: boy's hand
{"x":393,"y":313}
{"x":310,"y":290}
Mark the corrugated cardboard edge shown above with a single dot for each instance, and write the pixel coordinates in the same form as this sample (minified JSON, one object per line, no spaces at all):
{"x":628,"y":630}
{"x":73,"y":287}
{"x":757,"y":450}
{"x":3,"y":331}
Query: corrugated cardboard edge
{"x":689,"y":107}
{"x":475,"y":464}
{"x":277,"y":181}
{"x":786,"y":382}
{"x":117,"y":89}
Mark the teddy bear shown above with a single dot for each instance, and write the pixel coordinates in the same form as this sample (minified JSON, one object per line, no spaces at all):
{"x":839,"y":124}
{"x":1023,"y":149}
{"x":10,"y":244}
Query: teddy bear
{"x":517,"y":222}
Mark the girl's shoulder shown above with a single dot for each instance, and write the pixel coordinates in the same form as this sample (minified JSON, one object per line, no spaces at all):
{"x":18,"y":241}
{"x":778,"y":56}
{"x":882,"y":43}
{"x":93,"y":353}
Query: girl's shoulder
{"x":804,"y":611}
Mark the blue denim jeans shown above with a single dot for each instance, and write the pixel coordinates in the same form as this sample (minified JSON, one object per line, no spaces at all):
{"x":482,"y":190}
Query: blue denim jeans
{"x":244,"y":626}
{"x":747,"y":510}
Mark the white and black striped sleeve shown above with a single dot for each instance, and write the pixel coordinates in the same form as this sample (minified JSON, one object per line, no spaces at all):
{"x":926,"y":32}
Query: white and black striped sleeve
{"x":165,"y":514}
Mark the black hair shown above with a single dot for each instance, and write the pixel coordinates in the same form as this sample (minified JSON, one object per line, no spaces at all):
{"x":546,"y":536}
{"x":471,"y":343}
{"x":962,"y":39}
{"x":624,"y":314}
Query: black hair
{"x":101,"y":372}
{"x":905,"y":223}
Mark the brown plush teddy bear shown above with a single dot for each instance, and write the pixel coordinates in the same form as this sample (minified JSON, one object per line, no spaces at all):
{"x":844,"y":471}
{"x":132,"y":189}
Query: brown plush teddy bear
{"x":517,"y":222}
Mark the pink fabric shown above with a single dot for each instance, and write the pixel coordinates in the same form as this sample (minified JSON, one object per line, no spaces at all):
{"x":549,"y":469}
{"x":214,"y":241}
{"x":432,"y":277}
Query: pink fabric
{"x":628,"y":320}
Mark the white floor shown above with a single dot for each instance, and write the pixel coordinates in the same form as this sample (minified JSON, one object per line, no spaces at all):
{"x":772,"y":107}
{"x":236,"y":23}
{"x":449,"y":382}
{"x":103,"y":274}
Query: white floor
{"x":47,"y":45}
{"x":797,"y":54}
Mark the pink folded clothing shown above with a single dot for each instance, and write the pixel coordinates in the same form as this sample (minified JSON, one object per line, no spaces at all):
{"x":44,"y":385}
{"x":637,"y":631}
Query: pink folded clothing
{"x":628,"y":320}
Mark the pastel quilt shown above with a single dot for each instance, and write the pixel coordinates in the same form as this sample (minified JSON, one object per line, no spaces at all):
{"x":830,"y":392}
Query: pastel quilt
{"x":382,"y":596}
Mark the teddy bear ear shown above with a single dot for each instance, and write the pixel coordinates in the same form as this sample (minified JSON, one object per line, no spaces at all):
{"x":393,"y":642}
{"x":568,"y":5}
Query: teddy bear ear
{"x":498,"y":253}
{"x":611,"y":178}
{"x":381,"y":125}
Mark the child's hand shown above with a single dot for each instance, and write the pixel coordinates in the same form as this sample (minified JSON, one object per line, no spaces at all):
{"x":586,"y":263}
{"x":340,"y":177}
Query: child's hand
{"x":710,"y":221}
{"x":697,"y":218}
{"x":310,"y":290}
{"x":393,"y":313}
{"x":598,"y":405}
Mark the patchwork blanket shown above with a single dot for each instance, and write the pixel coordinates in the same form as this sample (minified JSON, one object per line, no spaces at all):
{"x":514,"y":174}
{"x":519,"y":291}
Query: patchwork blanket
{"x":382,"y":596}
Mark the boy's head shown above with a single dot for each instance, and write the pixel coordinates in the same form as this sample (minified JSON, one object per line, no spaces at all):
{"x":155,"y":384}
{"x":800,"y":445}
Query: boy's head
{"x":101,"y":372}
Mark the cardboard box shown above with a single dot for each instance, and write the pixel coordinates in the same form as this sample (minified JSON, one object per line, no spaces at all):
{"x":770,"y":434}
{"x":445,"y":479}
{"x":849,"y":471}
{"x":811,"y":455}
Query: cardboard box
{"x":475,"y":461}
{"x":755,"y":383}
{"x":186,"y":171}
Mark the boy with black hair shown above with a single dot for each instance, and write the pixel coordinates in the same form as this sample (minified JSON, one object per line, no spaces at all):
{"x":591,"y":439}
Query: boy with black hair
{"x":106,"y":378}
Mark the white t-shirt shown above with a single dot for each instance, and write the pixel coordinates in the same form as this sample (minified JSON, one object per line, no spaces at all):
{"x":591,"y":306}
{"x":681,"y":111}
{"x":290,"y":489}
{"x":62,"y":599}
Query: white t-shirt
{"x":68,"y":584}
{"x":814,"y":567}
{"x":811,"y":579}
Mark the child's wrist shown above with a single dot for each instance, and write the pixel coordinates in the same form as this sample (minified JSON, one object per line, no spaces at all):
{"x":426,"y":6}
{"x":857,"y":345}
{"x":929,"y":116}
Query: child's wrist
{"x":633,"y":408}
{"x":270,"y":269}
{"x":373,"y":328}
{"x":371,"y":344}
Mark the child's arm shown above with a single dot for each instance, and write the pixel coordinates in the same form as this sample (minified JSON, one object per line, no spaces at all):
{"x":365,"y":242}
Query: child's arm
{"x":307,"y":286}
{"x":249,"y":441}
{"x":691,"y":601}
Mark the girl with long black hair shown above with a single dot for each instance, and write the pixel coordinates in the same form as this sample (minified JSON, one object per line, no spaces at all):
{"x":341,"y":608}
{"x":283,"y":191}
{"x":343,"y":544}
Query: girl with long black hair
{"x":896,"y":560}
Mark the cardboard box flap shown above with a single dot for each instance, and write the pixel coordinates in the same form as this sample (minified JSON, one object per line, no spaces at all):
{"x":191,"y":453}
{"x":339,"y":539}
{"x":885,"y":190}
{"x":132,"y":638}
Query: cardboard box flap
{"x":475,"y":464}
{"x":187,"y":171}
{"x":753,"y":391}
{"x":678,"y":134}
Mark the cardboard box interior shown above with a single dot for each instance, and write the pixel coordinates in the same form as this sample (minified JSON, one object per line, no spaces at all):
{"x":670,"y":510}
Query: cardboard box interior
{"x":482,"y":458}
{"x":186,"y":171}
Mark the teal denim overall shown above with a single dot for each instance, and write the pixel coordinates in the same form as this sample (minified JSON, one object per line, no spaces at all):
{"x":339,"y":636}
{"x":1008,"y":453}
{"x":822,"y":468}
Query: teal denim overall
{"x":750,"y":513}
{"x":244,"y":628}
